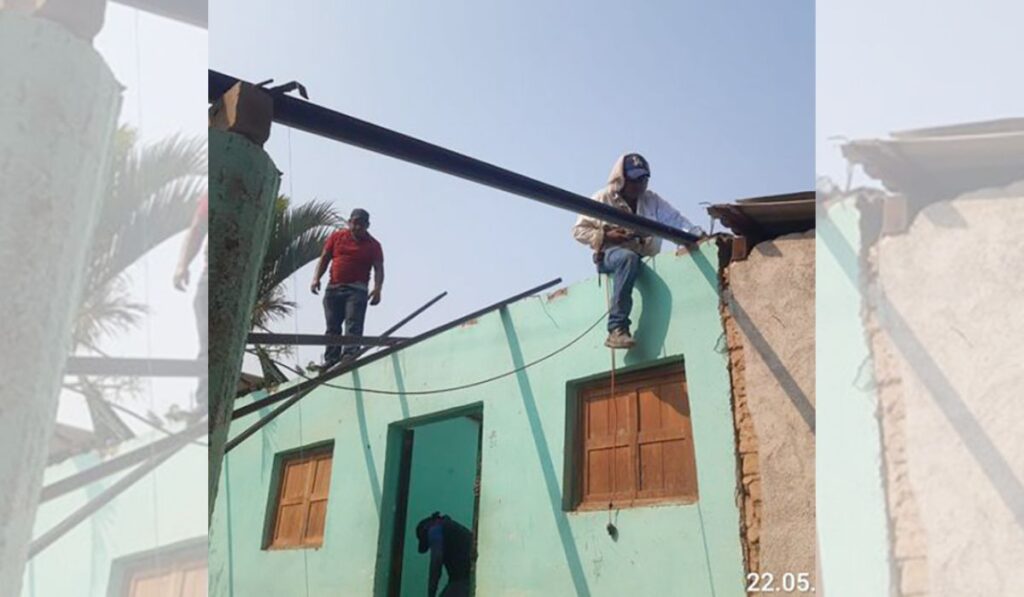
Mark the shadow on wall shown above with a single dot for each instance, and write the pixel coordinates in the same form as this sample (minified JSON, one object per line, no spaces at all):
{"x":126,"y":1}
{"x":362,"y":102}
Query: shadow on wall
{"x":915,"y":353}
{"x":572,"y":556}
{"x":364,"y":435}
{"x":396,"y":365}
{"x":652,"y":328}
{"x":771,"y":358}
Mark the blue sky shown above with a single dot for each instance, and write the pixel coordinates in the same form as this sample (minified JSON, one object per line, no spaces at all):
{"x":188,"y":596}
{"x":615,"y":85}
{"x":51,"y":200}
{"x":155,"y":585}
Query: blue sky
{"x":720,"y":98}
{"x":889,"y":66}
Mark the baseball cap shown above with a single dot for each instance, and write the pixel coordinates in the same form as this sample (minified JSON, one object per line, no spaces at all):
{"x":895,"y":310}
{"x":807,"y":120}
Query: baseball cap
{"x":421,"y":531}
{"x":360,"y":214}
{"x":635,"y":167}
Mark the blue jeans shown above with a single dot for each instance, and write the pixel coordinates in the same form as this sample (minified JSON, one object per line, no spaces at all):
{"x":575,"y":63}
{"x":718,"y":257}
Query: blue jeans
{"x":201,"y":307}
{"x":344,"y":305}
{"x":623,"y":266}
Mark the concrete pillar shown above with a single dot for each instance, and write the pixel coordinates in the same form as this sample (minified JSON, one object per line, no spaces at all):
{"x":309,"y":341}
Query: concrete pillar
{"x":59,"y":104}
{"x":243,"y":187}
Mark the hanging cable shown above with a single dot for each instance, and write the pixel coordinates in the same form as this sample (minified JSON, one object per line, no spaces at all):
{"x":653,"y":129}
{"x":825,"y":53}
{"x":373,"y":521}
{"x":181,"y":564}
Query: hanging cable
{"x":474,"y":384}
{"x":295,"y":320}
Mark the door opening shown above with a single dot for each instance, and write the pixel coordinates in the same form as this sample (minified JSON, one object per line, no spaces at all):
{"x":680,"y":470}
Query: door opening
{"x":438,"y":471}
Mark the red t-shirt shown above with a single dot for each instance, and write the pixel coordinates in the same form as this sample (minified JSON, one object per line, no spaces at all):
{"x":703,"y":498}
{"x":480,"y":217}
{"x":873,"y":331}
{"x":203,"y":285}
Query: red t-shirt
{"x":351,"y":259}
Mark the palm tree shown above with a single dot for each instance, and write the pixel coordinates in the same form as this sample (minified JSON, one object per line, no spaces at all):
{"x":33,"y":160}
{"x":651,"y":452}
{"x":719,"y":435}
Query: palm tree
{"x":297,"y":238}
{"x":151,"y":194}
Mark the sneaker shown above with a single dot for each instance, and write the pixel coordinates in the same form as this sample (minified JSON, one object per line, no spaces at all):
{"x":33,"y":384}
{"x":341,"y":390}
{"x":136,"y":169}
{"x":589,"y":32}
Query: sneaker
{"x":620,"y":338}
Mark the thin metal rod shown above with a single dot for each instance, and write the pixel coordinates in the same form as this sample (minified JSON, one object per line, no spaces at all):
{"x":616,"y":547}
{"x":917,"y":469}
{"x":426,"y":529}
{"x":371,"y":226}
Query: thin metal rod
{"x":119,"y":463}
{"x":129,"y":367}
{"x":311,"y":118}
{"x":413,"y":315}
{"x":322,"y":340}
{"x":298,"y":396}
{"x":343,"y":369}
{"x":103,"y":498}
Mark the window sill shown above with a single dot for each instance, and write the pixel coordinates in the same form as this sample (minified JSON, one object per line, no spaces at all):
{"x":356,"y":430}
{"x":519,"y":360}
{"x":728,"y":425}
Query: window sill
{"x":633,"y":504}
{"x":291,"y":547}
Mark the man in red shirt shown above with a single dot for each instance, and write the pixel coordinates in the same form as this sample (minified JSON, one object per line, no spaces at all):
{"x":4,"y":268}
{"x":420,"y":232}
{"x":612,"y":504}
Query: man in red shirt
{"x":197,"y":232}
{"x":352,"y":253}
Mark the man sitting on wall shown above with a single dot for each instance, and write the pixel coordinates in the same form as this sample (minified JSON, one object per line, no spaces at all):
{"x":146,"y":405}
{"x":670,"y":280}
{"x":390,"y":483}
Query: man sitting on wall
{"x":352,"y":253}
{"x":617,"y":251}
{"x":450,"y":544}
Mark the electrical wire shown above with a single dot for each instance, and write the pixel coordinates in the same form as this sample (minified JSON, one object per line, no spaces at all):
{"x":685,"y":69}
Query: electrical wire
{"x":452,"y":388}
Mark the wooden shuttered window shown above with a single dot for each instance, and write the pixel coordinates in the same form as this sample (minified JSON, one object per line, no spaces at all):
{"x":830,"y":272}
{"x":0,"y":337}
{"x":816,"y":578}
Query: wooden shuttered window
{"x":301,"y":510}
{"x":184,"y":579}
{"x":636,"y":446}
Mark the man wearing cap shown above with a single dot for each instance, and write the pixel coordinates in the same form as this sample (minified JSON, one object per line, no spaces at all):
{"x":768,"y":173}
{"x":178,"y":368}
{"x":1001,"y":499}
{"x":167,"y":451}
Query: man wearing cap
{"x":352,"y":253}
{"x":618,"y":251}
{"x":451,"y":545}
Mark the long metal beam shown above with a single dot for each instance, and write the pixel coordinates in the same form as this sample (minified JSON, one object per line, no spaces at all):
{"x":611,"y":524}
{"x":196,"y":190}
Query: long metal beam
{"x":319,"y":340}
{"x":119,"y":463}
{"x":241,"y":437}
{"x":311,"y":118}
{"x":191,"y":12}
{"x":132,"y":367}
{"x":97,"y":502}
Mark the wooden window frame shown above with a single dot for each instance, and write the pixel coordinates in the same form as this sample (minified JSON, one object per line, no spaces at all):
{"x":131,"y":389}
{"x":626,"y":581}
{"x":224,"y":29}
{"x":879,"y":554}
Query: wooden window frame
{"x":575,"y":499}
{"x":315,"y":452}
{"x":161,"y":561}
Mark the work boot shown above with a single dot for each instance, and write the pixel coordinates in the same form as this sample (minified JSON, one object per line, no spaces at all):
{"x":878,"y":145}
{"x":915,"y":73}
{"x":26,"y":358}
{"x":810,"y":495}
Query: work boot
{"x":620,"y":338}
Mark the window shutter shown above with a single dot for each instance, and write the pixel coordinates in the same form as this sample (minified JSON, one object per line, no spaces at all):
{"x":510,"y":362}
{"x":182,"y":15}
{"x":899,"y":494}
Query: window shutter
{"x":187,"y":579}
{"x":301,"y":512}
{"x":292,"y":505}
{"x":609,"y":445}
{"x":318,"y":500}
{"x":638,"y":446}
{"x":665,"y":442}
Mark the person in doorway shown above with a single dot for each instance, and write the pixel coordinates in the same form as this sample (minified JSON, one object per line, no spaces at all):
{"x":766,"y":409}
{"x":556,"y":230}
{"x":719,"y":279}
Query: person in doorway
{"x":352,"y":253}
{"x":189,"y":249}
{"x":618,"y":251}
{"x":451,"y":545}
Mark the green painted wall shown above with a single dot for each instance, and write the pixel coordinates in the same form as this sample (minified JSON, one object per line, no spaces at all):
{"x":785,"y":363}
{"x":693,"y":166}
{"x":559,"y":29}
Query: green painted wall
{"x":527,"y":544}
{"x":441,"y":480}
{"x":850,"y":500}
{"x":243,"y":187}
{"x":165,"y":508}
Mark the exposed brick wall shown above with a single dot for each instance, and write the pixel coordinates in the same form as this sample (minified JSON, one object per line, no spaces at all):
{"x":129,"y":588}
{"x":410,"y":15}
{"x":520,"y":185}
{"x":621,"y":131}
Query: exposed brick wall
{"x":909,"y":547}
{"x":748,"y":496}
